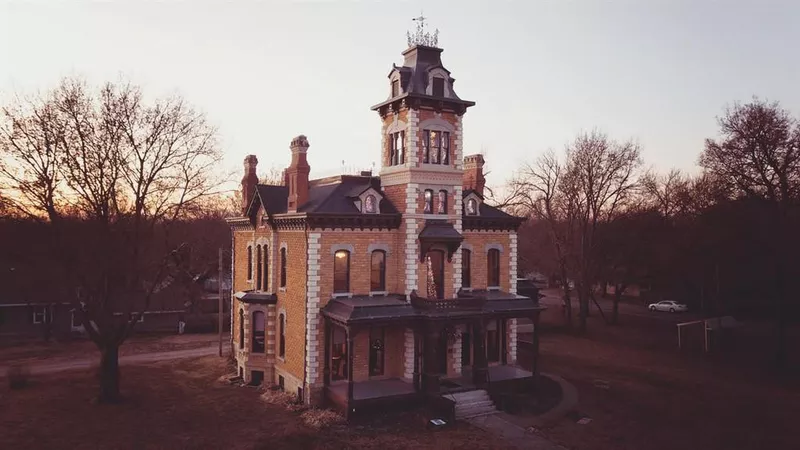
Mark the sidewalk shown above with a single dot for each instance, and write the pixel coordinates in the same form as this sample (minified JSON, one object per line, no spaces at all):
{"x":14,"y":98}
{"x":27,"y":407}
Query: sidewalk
{"x":142,"y":358}
{"x":514,"y":434}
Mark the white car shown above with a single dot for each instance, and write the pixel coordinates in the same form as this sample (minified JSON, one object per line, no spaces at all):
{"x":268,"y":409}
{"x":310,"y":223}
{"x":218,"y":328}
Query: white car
{"x":668,"y":305}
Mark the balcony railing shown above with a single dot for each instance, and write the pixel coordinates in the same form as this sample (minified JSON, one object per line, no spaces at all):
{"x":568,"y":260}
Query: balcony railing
{"x":463,"y":301}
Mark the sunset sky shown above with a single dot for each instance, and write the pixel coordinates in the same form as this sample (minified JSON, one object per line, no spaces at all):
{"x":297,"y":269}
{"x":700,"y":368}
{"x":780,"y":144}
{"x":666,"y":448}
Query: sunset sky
{"x":658,"y":71}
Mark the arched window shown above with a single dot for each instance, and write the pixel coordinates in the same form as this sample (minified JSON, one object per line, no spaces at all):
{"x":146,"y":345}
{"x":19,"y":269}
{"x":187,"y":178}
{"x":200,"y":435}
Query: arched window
{"x":428,"y":208}
{"x":249,"y":262}
{"x":265,"y":278}
{"x":259,"y":267}
{"x":241,"y":329}
{"x":341,"y":272}
{"x":441,"y":208}
{"x":377,"y":275}
{"x":282,"y":336}
{"x":493,"y":266}
{"x":258,"y":332}
{"x":283,"y":267}
{"x":466,"y":268}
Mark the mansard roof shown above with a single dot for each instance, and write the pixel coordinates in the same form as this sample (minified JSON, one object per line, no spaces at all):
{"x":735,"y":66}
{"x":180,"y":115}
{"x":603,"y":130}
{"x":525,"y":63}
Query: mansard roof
{"x":332,"y":196}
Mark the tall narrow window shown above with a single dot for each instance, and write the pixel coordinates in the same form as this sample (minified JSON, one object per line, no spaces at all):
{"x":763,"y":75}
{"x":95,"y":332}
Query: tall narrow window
{"x":283,"y":267}
{"x":402,"y":149}
{"x":438,"y":87}
{"x":376,"y":352}
{"x":445,"y":148}
{"x":241,"y":329}
{"x":258,"y":332}
{"x":435,"y":146}
{"x":395,"y":88}
{"x":395,"y":155}
{"x":428,"y":207}
{"x":282,"y":336}
{"x":265,"y":278}
{"x":259,"y":267}
{"x":441,"y":208}
{"x":339,"y":354}
{"x":493,"y":265}
{"x":249,"y":262}
{"x":466,"y":268}
{"x":341,"y":272}
{"x":377,"y":278}
{"x":426,"y":148}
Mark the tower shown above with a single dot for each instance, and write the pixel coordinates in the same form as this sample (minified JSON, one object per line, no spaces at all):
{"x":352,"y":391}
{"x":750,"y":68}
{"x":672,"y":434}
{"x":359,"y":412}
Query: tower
{"x":421,"y":152}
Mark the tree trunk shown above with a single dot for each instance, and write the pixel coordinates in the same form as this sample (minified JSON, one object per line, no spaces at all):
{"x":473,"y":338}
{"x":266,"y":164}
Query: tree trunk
{"x":583,"y":300}
{"x":615,"y":310}
{"x":567,"y":299}
{"x":109,"y":374}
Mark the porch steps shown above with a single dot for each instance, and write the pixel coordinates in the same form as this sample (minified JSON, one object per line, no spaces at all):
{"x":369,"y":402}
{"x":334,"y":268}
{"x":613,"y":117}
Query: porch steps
{"x":472,"y":404}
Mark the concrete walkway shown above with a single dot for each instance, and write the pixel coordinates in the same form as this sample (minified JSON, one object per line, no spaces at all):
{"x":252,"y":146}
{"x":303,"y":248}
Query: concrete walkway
{"x":499,"y":425}
{"x":142,"y":358}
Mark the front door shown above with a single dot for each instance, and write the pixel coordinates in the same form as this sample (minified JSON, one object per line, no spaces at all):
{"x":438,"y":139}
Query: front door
{"x":436,"y":274}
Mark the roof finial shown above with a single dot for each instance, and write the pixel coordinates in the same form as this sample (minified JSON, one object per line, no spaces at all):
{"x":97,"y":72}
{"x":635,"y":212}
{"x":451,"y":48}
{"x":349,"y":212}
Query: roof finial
{"x":422,"y":37}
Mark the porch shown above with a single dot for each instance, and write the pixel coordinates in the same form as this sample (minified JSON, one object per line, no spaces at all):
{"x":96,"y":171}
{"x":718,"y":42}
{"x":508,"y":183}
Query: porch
{"x":385,"y":351}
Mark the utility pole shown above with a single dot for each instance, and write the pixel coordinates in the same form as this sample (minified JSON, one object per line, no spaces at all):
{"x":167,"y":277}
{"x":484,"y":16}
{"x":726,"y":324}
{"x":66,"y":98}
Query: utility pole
{"x":219,"y":311}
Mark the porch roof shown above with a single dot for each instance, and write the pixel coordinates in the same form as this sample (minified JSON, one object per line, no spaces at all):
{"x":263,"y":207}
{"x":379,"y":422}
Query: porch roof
{"x":362,"y":309}
{"x":258,"y":298}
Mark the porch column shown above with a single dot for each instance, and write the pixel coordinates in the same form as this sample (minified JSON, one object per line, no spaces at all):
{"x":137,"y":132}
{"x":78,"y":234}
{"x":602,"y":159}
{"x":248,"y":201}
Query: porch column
{"x":430,"y":377}
{"x":535,"y":320}
{"x":349,"y":367}
{"x":480,"y":365}
{"x":417,"y":351}
{"x":326,"y":377}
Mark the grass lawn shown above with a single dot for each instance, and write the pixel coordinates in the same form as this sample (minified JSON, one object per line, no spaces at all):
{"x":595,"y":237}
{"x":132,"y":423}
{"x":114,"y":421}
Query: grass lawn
{"x":181,"y":405}
{"x":641,"y":393}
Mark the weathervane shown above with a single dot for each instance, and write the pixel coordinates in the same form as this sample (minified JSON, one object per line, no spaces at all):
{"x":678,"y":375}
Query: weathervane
{"x":422,"y":37}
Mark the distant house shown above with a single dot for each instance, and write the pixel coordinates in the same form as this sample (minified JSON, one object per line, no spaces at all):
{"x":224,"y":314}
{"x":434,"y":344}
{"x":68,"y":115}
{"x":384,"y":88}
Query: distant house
{"x":47,"y":316}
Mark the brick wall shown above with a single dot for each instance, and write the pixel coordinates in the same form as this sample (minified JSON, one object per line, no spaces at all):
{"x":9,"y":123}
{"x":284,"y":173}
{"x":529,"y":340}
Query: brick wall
{"x":393,"y":354}
{"x":360,"y":259}
{"x":292,"y":301}
{"x":478,"y":241}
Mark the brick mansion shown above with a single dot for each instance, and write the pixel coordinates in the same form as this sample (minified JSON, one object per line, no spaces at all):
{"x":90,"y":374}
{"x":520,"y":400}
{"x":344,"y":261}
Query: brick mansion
{"x":358,"y":291}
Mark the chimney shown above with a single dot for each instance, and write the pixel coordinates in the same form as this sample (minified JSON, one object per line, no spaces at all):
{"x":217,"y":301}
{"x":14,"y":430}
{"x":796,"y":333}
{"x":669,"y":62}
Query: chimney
{"x":473,"y":173}
{"x":249,"y":181}
{"x":297,"y":174}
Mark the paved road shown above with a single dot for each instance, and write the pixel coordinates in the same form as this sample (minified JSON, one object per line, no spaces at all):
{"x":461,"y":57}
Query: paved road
{"x":552,"y":299}
{"x":142,"y":358}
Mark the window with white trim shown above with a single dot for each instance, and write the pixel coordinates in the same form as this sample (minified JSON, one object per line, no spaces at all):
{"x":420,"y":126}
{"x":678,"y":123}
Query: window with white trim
{"x":435,"y":147}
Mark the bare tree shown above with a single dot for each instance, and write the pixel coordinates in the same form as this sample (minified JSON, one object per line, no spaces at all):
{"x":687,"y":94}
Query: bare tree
{"x":666,"y":193}
{"x":758,"y":156}
{"x":109,"y":173}
{"x":536,"y":188}
{"x":601,"y":179}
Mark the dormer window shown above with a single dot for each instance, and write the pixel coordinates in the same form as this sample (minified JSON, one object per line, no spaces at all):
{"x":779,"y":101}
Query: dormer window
{"x":438,"y":87}
{"x":371,"y":204}
{"x":395,"y":88}
{"x":472,"y":207}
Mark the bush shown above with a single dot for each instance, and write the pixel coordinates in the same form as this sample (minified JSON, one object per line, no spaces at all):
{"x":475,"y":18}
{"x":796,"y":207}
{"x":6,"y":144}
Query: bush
{"x":282,"y":399}
{"x":321,"y":418}
{"x":18,"y":376}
